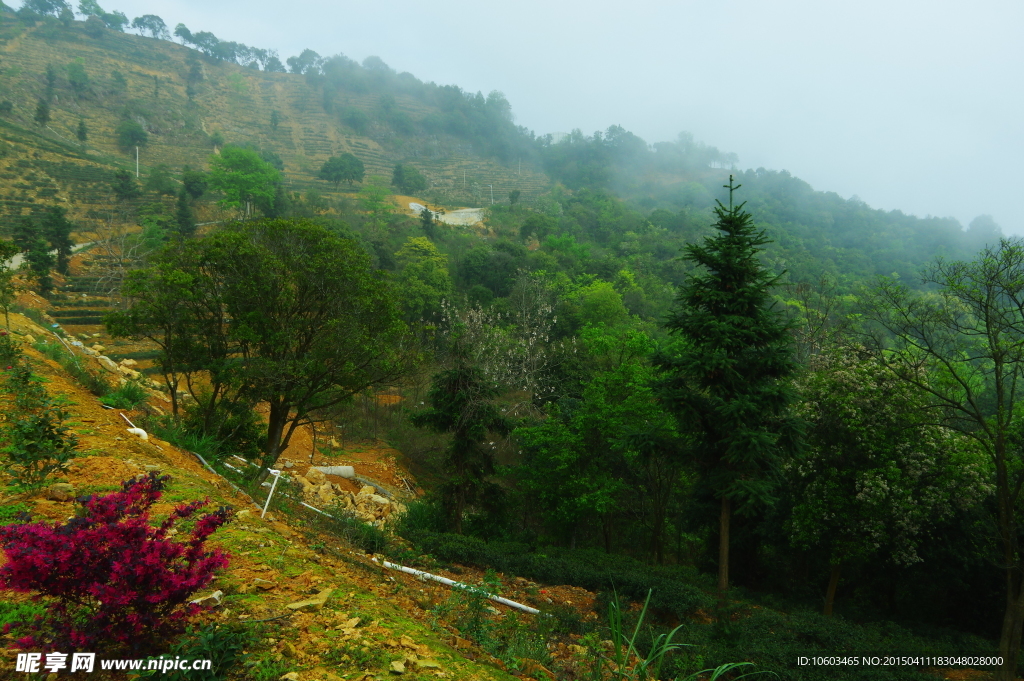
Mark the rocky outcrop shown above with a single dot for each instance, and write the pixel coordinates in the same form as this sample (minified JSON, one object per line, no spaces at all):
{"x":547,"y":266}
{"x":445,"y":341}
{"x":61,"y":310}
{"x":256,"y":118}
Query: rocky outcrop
{"x":366,"y":505}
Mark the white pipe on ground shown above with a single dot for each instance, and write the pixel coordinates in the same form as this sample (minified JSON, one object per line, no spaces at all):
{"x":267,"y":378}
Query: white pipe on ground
{"x":458,"y":585}
{"x":277,"y":476}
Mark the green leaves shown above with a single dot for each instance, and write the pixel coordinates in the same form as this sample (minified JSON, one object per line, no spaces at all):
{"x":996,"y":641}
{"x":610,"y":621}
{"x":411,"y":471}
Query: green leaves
{"x":728,"y":380}
{"x":243,"y":177}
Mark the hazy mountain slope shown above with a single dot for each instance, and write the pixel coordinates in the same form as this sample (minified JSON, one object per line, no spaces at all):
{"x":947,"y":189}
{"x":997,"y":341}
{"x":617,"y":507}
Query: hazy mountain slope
{"x":45,"y":162}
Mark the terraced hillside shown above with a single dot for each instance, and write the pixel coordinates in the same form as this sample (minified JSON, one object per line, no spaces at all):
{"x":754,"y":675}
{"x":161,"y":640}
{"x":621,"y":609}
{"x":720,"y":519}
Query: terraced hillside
{"x":185,"y":102}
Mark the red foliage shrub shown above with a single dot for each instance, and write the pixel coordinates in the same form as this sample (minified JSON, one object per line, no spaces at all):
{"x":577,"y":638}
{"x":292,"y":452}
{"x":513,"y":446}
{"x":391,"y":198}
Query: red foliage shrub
{"x":116,"y":582}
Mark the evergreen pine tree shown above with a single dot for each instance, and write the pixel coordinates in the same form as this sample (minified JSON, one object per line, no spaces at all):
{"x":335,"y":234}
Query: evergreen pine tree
{"x":57,"y":230}
{"x":42,"y":115}
{"x":427,"y":223}
{"x":25,"y":234}
{"x":183,"y":217}
{"x":125,"y":186}
{"x":728,"y":384}
{"x":40,"y":260}
{"x":82,"y":132}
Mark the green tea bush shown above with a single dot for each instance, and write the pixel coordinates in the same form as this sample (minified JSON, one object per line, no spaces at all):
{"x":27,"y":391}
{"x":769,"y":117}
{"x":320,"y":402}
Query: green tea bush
{"x":680,"y":591}
{"x":775,"y":640}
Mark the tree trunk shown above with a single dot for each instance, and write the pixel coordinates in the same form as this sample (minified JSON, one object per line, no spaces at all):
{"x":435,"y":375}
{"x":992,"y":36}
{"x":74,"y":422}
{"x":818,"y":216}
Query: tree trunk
{"x":276,"y":421}
{"x":833,"y":582}
{"x":1013,"y":616}
{"x":460,"y":507}
{"x":1013,"y":620}
{"x":723,"y":550}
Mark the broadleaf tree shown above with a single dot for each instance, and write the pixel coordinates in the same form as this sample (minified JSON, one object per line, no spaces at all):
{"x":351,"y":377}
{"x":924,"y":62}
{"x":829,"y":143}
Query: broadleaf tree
{"x":244,"y":178}
{"x":311,"y":324}
{"x":964,"y":347}
{"x":345,"y":168}
{"x":877,"y":472}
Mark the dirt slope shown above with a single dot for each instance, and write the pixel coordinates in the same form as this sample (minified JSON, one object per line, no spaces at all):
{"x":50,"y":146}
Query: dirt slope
{"x":369,"y":621}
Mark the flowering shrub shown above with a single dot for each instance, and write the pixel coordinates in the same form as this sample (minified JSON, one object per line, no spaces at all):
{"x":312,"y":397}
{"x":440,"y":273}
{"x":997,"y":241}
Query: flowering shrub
{"x":115,"y":580}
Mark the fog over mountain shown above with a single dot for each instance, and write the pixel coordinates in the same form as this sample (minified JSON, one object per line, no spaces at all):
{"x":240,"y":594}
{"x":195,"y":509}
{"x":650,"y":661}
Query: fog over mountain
{"x":912,"y":106}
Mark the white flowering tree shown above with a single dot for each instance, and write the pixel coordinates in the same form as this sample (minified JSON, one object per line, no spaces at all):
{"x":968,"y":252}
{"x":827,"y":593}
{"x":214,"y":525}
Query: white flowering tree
{"x":877,"y":470}
{"x":514,"y":349}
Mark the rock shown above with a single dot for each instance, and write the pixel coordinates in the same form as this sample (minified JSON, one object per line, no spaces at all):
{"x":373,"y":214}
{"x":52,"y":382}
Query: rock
{"x":326,"y":493}
{"x":535,"y":669}
{"x":334,"y":444}
{"x":97,"y":335}
{"x":213,"y":600}
{"x":289,"y":650}
{"x":311,"y":604}
{"x":60,"y":491}
{"x":129,"y":363}
{"x":128,"y":373}
{"x":366,"y":491}
{"x":282,"y":529}
{"x":107,"y":364}
{"x":379,"y":500}
{"x":427,"y":663}
{"x":152,"y":468}
{"x":398,"y":667}
{"x":98,"y":348}
{"x":316,"y":476}
{"x":288,"y":464}
{"x":90,"y":352}
{"x":29,"y":338}
{"x":290,"y":676}
{"x":264,"y":584}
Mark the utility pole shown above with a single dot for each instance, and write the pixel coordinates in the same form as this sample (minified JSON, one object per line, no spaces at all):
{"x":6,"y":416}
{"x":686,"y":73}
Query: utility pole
{"x":136,"y":163}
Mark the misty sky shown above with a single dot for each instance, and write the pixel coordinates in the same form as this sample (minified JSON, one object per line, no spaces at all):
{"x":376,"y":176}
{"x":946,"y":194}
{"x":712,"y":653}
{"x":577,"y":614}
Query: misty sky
{"x":908,"y":105}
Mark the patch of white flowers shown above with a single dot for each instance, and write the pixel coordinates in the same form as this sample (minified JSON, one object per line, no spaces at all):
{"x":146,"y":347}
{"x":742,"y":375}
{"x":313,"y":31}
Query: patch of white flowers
{"x":877,"y":473}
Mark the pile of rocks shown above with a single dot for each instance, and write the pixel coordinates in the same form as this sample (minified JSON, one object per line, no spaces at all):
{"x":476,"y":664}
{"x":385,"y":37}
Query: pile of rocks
{"x":366,"y":505}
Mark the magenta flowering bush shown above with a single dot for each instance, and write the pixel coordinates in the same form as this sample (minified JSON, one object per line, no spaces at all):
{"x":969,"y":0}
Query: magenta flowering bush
{"x":114,"y":580}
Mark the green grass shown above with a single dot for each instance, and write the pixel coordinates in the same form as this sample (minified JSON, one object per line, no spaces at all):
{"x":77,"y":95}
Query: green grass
{"x":127,"y":396}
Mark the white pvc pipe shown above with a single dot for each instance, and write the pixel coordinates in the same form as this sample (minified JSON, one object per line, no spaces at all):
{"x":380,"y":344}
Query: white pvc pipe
{"x":459,"y":585}
{"x":277,"y":476}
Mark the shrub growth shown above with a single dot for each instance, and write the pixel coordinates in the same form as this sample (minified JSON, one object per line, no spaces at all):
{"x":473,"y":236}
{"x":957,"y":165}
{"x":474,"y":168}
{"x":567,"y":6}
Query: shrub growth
{"x":116,"y":582}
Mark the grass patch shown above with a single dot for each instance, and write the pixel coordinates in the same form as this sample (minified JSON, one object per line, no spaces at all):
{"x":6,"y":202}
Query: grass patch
{"x":127,"y":396}
{"x":56,"y":351}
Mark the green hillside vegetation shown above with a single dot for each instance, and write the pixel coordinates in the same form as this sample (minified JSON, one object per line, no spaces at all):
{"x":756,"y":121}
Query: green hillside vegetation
{"x":187,"y":102}
{"x":644,"y":368}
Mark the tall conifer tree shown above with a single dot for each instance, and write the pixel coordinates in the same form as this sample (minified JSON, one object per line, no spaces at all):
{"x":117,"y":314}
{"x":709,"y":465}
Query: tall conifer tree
{"x":728,"y":384}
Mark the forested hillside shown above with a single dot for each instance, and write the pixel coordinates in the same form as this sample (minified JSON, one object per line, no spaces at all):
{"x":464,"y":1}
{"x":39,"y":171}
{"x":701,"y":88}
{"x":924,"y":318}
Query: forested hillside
{"x":787,"y":419}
